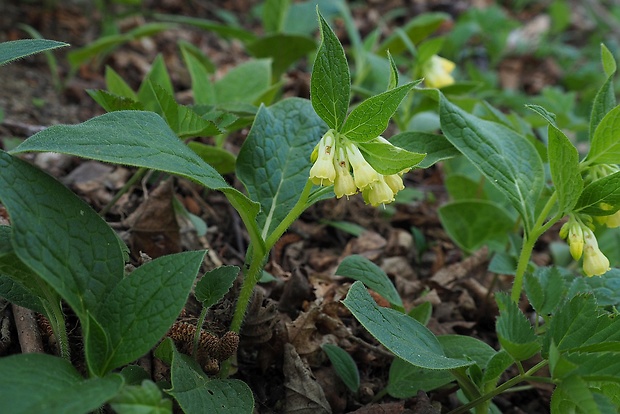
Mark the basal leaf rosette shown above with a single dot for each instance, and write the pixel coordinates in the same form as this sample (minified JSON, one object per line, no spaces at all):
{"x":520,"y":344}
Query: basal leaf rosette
{"x":374,"y":168}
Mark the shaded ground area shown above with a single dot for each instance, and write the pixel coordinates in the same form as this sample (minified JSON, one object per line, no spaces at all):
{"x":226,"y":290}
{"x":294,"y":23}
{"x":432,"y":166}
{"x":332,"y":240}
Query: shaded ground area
{"x":291,"y":317}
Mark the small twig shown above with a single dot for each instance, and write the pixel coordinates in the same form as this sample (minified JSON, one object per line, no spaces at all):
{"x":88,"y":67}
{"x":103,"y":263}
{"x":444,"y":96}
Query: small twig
{"x":27,"y":330}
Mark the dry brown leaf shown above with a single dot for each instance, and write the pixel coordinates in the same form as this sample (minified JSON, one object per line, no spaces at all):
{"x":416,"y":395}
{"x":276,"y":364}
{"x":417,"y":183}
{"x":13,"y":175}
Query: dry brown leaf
{"x":303,"y":394}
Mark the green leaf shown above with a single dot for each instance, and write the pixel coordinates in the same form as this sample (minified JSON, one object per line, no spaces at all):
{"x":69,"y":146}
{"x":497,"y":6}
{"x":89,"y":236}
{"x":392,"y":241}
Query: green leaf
{"x":545,"y":289}
{"x":17,"y":49}
{"x":577,"y":326}
{"x":158,"y":75}
{"x":389,"y":159}
{"x":476,"y":223}
{"x":506,"y":158}
{"x":284,"y":49}
{"x":403,"y":336}
{"x":117,"y":85}
{"x":274,"y":14}
{"x":572,"y":395}
{"x":416,"y":29}
{"x":197,"y":394}
{"x":436,"y":147}
{"x":244,"y":83}
{"x":514,"y":331}
{"x":344,"y":365}
{"x":604,"y":101}
{"x":274,"y":161}
{"x":596,"y":366}
{"x":330,"y":83}
{"x":182,"y":119}
{"x":393,"y":82}
{"x":496,"y":366}
{"x":142,"y":308}
{"x":546,"y":115}
{"x":422,"y":313}
{"x":358,"y":267}
{"x":371,"y":117}
{"x":49,"y":224}
{"x":226,"y":30}
{"x":606,"y":290}
{"x":20,"y":285}
{"x":564,"y":167}
{"x":142,"y":399}
{"x":605,"y":146}
{"x":199,"y":67}
{"x":220,"y":159}
{"x":214,"y":284}
{"x":40,"y":383}
{"x":405,"y":380}
{"x":136,"y":138}
{"x":467,"y":347}
{"x":112,"y":102}
{"x":604,"y":190}
{"x":608,"y":60}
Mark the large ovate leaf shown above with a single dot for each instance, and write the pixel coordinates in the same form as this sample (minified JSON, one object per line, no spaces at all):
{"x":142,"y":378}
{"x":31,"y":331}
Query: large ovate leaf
{"x":274,"y":161}
{"x":59,"y":236}
{"x":402,"y":335}
{"x":141,"y":139}
{"x":370,"y":118}
{"x":196,"y":393}
{"x":360,"y":268}
{"x":605,"y":146}
{"x":16,"y":49}
{"x":564,"y":167}
{"x":244,"y":83}
{"x":142,"y":308}
{"x":506,"y":158}
{"x":40,"y":383}
{"x":215,"y":284}
{"x":330,"y":85}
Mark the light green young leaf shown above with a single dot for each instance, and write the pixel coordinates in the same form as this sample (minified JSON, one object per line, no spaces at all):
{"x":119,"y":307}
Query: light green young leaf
{"x":112,"y":102}
{"x":330,"y":84}
{"x":274,"y":14}
{"x":136,"y":138}
{"x":506,"y":158}
{"x":197,"y":394}
{"x":274,"y":161}
{"x":403,"y":336}
{"x":344,"y":365}
{"x":117,"y":85}
{"x":358,"y":267}
{"x":436,"y":147}
{"x":604,"y":190}
{"x":17,"y":49}
{"x":199,"y":72}
{"x":546,"y":115}
{"x":564,"y":167}
{"x":82,"y":266}
{"x":245,"y":83}
{"x":393,"y":82}
{"x":189,"y":49}
{"x":608,"y":60}
{"x":142,"y":308}
{"x":416,"y":29}
{"x":158,"y":75}
{"x":475,"y":223}
{"x":215,"y":284}
{"x":514,"y":331}
{"x":496,"y":366}
{"x":284,"y":49}
{"x":605,"y":145}
{"x":40,"y":383}
{"x":422,"y":313}
{"x":143,"y":399}
{"x":389,"y":159}
{"x":371,"y":117}
{"x":605,"y":99}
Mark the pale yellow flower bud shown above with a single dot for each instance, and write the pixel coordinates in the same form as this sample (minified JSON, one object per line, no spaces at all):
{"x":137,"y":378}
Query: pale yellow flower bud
{"x":437,"y":71}
{"x":575,"y":240}
{"x":395,"y":182}
{"x":379,"y":193}
{"x":323,"y":171}
{"x":611,"y":221}
{"x":595,"y":263}
{"x":344,"y":183}
{"x":363,"y":173}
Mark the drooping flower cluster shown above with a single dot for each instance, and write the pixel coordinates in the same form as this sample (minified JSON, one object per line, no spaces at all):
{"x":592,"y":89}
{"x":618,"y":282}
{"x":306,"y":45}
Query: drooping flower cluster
{"x":582,"y":242}
{"x":338,"y":161}
{"x":437,"y":72}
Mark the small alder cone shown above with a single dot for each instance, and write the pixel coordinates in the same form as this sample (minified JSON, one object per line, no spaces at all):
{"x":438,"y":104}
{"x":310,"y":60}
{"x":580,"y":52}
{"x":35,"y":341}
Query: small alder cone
{"x":211,"y":349}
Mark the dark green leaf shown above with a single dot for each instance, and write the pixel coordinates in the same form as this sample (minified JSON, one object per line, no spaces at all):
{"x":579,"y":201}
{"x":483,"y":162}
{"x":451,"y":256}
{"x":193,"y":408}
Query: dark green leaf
{"x":564,"y":167}
{"x":405,"y":380}
{"x":605,"y":146}
{"x":284,"y":49}
{"x":16,"y":49}
{"x":436,"y":147}
{"x":330,"y":85}
{"x":245,"y":83}
{"x":220,"y":159}
{"x":112,"y":102}
{"x":572,"y":395}
{"x":117,"y":85}
{"x":604,"y":190}
{"x":402,"y":335}
{"x":344,"y":365}
{"x":388,"y":159}
{"x":422,"y":313}
{"x":545,"y":289}
{"x":214,"y":284}
{"x":514,"y":331}
{"x":142,"y":399}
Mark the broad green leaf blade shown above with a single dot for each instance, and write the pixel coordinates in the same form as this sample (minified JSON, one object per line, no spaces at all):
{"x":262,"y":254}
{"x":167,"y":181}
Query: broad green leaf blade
{"x":476,"y":223}
{"x":596,"y":366}
{"x":604,"y":101}
{"x":284,"y":49}
{"x":496,"y":366}
{"x":117,"y":85}
{"x":572,"y":395}
{"x":564,"y":167}
{"x":608,"y":60}
{"x":371,"y":117}
{"x":40,"y":383}
{"x":218,"y":158}
{"x":606,"y":290}
{"x":214,"y":284}
{"x":16,"y":49}
{"x":344,"y":365}
{"x":59,"y":236}
{"x":436,"y":147}
{"x":402,"y":335}
{"x":330,"y":84}
{"x":112,"y":102}
{"x":274,"y":161}
{"x":405,"y":380}
{"x":20,"y":285}
{"x":358,"y":267}
{"x":605,"y":145}
{"x":545,"y":289}
{"x":245,"y":83}
{"x":143,"y":399}
{"x":143,"y":307}
{"x":604,"y":190}
{"x":158,"y":75}
{"x":197,"y":394}
{"x":136,"y":138}
{"x":388,"y":159}
{"x":506,"y":158}
{"x":514,"y":331}
{"x":460,"y":346}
